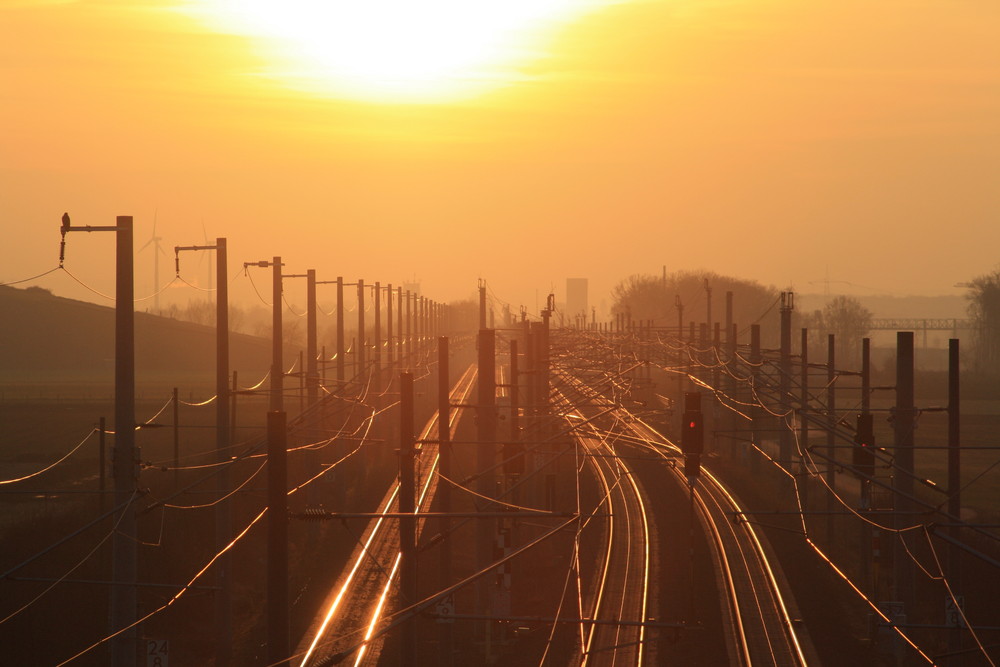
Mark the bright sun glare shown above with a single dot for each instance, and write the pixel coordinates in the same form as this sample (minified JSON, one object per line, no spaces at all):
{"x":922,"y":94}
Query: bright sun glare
{"x":394,"y":50}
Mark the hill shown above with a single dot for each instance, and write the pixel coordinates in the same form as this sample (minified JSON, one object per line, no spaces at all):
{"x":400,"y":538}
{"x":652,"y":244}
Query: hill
{"x":46,"y":340}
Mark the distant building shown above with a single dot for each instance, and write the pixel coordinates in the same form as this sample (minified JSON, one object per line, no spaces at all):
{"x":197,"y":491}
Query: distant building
{"x":577,"y":303}
{"x":412,"y":288}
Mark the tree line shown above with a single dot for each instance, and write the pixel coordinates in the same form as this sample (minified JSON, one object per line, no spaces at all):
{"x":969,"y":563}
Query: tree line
{"x":683,"y":297}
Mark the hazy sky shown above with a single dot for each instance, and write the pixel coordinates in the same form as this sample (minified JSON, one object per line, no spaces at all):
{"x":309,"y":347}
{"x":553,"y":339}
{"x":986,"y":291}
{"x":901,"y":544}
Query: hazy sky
{"x":788,"y":141}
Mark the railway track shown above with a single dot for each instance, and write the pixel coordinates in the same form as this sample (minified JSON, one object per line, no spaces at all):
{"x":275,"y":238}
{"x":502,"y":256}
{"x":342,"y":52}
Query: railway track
{"x":762,"y":631}
{"x":759,"y":627}
{"x":345,"y":629}
{"x":612,"y":631}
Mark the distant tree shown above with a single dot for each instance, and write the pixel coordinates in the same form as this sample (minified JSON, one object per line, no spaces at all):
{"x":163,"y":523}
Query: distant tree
{"x":649,"y":297}
{"x":237,"y":317}
{"x":984,"y":311}
{"x":463,"y":316}
{"x":202,"y":311}
{"x":848,"y":321}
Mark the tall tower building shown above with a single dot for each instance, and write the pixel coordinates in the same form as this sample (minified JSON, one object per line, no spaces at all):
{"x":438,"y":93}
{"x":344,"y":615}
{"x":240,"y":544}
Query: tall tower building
{"x":577,"y":303}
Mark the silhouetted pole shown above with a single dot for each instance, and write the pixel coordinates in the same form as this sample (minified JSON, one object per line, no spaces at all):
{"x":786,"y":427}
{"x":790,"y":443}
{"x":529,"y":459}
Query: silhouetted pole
{"x":409,"y":329}
{"x":232,"y":403}
{"x":400,"y":344}
{"x":125,"y":459}
{"x":531,"y":369}
{"x":444,"y":487}
{"x":361,"y":356}
{"x":102,"y":462}
{"x":482,"y":304}
{"x":277,"y":364}
{"x":680,"y":353}
{"x":222,"y":430}
{"x":277,"y":540}
{"x":312,"y":374}
{"x":784,"y":381}
{"x":418,"y":321}
{"x":755,"y":375}
{"x":543,"y":357}
{"x":407,"y":524}
{"x":340,"y":332}
{"x":866,"y":493}
{"x":388,"y":327}
{"x":125,"y":468}
{"x":515,"y":393}
{"x":680,"y":316}
{"x":399,"y":326}
{"x":831,"y":427}
{"x":377,"y":354}
{"x":734,"y":423}
{"x":486,"y":419}
{"x":421,"y":322}
{"x":223,"y":437}
{"x":708,"y":304}
{"x":954,"y":485}
{"x":903,"y":418}
{"x":729,"y":313}
{"x":302,"y":383}
{"x":424,"y":309}
{"x":804,"y":418}
{"x":175,"y":400}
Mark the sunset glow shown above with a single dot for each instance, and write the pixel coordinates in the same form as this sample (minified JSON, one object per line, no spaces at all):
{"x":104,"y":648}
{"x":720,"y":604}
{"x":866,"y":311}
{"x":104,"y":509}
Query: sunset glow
{"x":393,"y":50}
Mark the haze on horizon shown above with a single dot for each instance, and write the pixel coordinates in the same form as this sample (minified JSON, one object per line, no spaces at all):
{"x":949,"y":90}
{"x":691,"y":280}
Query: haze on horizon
{"x":787,"y":142}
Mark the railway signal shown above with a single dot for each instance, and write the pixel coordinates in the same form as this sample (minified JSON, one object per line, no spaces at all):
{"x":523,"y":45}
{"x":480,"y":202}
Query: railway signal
{"x":864,"y":449}
{"x":692,"y":434}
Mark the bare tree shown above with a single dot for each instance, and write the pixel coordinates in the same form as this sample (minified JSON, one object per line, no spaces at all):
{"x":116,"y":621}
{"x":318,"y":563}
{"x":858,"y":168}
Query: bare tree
{"x":649,"y":297}
{"x":984,"y":310}
{"x":848,"y":321}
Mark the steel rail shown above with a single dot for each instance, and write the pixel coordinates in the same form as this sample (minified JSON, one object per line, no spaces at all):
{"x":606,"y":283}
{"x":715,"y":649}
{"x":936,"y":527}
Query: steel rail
{"x":375,"y":531}
{"x":626,"y":504}
{"x":727,"y":505}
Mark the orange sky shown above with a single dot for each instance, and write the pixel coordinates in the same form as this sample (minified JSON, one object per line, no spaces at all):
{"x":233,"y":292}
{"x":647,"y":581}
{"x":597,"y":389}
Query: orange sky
{"x":780,"y":140}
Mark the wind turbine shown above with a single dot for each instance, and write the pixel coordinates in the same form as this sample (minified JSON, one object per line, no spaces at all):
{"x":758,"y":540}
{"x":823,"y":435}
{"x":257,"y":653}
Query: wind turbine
{"x":154,"y":240}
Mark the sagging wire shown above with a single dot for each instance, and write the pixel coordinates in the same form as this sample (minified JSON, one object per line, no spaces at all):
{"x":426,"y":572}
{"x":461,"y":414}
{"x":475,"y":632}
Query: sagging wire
{"x":954,"y":599}
{"x":86,"y":286}
{"x":804,"y":455}
{"x":489,"y":499}
{"x":28,"y":280}
{"x":177,"y":596}
{"x":193,"y":286}
{"x":70,"y":453}
{"x":186,"y":587}
{"x":101,"y":294}
{"x":199,"y":404}
{"x":289,"y":306}
{"x":221,"y":499}
{"x":249,"y":275}
{"x":152,"y":419}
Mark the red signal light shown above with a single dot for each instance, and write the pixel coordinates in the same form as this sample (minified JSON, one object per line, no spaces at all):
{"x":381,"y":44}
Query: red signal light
{"x":864,"y":450}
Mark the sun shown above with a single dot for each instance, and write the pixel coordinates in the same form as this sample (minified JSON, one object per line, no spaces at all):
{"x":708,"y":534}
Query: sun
{"x":394,"y":50}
